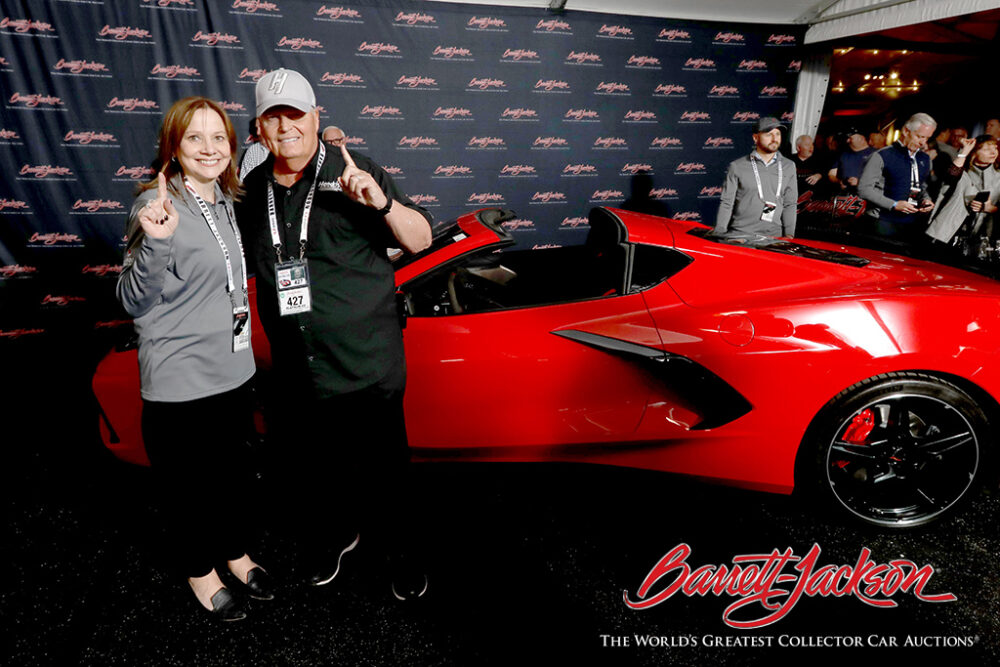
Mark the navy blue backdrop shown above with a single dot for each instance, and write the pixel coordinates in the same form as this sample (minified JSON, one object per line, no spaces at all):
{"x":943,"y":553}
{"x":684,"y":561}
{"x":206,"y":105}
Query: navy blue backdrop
{"x":547,"y":114}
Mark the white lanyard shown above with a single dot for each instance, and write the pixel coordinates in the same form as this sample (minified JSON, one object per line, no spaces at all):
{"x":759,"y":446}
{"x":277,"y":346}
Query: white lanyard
{"x":272,"y":215}
{"x":914,"y":173}
{"x":210,"y":219}
{"x":756,"y":175}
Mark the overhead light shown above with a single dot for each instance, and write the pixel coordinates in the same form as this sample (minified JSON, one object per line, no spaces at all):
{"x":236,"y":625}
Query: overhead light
{"x":867,"y":77}
{"x":893,"y":75}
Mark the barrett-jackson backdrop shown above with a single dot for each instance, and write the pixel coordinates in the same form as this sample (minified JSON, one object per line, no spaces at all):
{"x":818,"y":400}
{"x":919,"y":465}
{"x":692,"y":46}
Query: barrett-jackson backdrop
{"x":467,"y":106}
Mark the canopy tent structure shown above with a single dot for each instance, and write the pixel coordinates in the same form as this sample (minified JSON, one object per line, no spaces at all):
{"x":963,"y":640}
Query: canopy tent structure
{"x":827,"y":20}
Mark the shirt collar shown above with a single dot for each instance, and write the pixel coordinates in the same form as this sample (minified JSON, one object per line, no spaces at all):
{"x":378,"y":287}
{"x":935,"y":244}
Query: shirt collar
{"x":760,"y":157}
{"x":308,"y":174}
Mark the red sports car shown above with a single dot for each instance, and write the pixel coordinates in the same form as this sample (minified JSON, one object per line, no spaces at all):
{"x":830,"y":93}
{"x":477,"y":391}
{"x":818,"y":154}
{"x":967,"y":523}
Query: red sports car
{"x":771,"y":364}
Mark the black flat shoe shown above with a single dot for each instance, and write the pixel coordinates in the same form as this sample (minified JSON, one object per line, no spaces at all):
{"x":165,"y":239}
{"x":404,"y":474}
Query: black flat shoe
{"x":260,"y":584}
{"x":225,"y":607}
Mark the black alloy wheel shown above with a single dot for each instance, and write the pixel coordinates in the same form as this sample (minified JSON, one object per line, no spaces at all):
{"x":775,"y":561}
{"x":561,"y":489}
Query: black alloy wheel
{"x":900,"y":450}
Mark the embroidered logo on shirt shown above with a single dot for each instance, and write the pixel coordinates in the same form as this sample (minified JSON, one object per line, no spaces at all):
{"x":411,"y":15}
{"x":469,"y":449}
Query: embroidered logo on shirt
{"x":329,"y":186}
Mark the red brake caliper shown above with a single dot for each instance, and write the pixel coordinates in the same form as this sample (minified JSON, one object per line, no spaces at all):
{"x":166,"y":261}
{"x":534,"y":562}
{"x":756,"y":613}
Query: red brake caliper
{"x":858,"y":430}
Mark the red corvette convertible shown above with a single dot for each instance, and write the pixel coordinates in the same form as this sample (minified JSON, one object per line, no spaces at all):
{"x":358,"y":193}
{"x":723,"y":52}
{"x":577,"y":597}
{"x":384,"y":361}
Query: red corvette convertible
{"x":867,"y":378}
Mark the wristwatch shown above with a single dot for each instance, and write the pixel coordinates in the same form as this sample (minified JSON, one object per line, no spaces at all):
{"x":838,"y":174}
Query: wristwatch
{"x":388,"y":206}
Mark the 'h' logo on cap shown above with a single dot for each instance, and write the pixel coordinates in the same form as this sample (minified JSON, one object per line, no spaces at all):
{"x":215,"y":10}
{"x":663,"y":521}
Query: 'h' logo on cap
{"x":278,"y":82}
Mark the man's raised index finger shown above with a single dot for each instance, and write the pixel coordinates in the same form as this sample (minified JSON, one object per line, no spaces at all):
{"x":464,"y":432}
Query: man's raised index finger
{"x":347,"y":156}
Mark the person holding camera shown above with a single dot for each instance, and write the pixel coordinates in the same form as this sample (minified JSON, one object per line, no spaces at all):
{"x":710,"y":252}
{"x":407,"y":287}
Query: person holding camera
{"x":964,"y":215}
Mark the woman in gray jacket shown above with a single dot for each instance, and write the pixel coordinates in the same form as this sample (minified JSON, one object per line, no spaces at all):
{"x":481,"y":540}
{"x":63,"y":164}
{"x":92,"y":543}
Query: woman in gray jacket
{"x":184,"y":282}
{"x":964,"y":215}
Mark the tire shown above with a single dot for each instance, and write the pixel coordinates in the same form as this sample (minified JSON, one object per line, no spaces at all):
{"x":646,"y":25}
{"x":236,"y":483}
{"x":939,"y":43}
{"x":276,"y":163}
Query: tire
{"x":898,"y":450}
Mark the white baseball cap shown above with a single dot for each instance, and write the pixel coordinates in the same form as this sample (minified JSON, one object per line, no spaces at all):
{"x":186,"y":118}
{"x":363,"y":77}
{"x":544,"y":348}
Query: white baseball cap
{"x":284,"y":87}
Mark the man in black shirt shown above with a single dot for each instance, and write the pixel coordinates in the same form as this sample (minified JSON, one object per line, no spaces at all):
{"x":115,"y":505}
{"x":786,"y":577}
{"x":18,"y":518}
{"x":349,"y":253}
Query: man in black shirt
{"x":318,"y":221}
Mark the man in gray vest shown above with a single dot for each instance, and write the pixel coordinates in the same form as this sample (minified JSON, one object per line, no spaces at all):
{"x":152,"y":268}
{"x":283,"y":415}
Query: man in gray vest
{"x":760,"y":194}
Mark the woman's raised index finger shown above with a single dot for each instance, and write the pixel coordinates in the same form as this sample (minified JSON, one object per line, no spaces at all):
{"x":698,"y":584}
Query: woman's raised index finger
{"x":161,"y":185}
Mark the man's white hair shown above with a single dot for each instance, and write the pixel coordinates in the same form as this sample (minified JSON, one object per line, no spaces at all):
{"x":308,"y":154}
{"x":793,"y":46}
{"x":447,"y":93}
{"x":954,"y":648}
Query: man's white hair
{"x":918,"y":119}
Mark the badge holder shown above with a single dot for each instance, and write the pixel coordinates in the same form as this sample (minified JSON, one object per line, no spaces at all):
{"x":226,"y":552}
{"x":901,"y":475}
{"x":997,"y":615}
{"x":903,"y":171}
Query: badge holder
{"x":292,"y":281}
{"x":241,"y":328}
{"x":768,"y":214}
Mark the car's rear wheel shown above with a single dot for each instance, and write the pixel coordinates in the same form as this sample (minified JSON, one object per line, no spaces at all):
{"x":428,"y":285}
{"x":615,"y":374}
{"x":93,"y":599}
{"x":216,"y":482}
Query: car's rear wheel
{"x":899,"y":450}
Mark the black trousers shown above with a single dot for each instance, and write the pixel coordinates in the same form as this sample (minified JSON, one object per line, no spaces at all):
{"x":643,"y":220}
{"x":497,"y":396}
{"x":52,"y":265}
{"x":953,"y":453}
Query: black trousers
{"x":346,"y":469}
{"x":201,"y":468}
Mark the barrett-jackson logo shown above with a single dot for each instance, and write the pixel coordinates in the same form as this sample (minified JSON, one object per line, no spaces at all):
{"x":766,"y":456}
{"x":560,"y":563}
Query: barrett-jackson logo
{"x":780,"y":40}
{"x":518,"y":170}
{"x":703,"y":64}
{"x":252,"y":74}
{"x":607,"y":195}
{"x":62,"y":300}
{"x":760,"y":581}
{"x":724,"y":91}
{"x":122,"y":33}
{"x":486,"y":23}
{"x":582,"y":58}
{"x":774,"y":91}
{"x":615,"y":31}
{"x":12,"y":270}
{"x":794,"y":66}
{"x":95,"y":205}
{"x":338,"y":79}
{"x":752,"y":66}
{"x":424,"y":200}
{"x":451,"y":52}
{"x":53,"y":238}
{"x":485,"y":198}
{"x":460,"y":113}
{"x":17,"y":333}
{"x":695,"y":117}
{"x":80,"y":66}
{"x":417,"y":82}
{"x":131,"y":103}
{"x":674,"y":35}
{"x":102,"y":269}
{"x":44,"y":171}
{"x":640,"y":117}
{"x":745,"y":116}
{"x":414,"y":19}
{"x":518,"y":223}
{"x":393,"y":171}
{"x":635,"y":168}
{"x":134,"y":173}
{"x":215,"y":38}
{"x":573,"y":223}
{"x":338,"y":13}
{"x":25,"y":25}
{"x":550,"y":142}
{"x":380,"y":111}
{"x":35,"y":100}
{"x":670,"y":90}
{"x":13,"y":205}
{"x":666,"y":142}
{"x":417,"y":142}
{"x":519,"y":114}
{"x":84,"y":138}
{"x":690,"y":168}
{"x":788,"y":116}
{"x":549,"y":197}
{"x":486,"y":142}
{"x":729,"y":38}
{"x":486,"y":84}
{"x":377,"y":49}
{"x":718,"y":142}
{"x":254,"y":6}
{"x":686,"y":215}
{"x":169,"y":3}
{"x":610,"y":142}
{"x":643,"y":62}
{"x":548,"y":85}
{"x":519,"y":54}
{"x":580,"y":170}
{"x":174,"y":71}
{"x":582,"y":115}
{"x":299,"y":43}
{"x":452,"y":170}
{"x":612,"y":88}
{"x":553,"y":25}
{"x":710,"y":191}
{"x":232,"y":107}
{"x":663,"y":193}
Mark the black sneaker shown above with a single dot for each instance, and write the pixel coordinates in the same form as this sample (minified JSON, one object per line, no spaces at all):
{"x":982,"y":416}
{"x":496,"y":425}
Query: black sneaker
{"x":325,"y":575}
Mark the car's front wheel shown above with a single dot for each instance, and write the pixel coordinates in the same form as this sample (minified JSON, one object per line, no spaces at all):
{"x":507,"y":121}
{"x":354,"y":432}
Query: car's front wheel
{"x":899,"y":450}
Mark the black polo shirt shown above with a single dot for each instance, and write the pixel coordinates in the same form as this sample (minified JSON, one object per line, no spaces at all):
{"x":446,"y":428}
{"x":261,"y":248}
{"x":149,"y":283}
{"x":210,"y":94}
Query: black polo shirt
{"x":351,"y":339}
